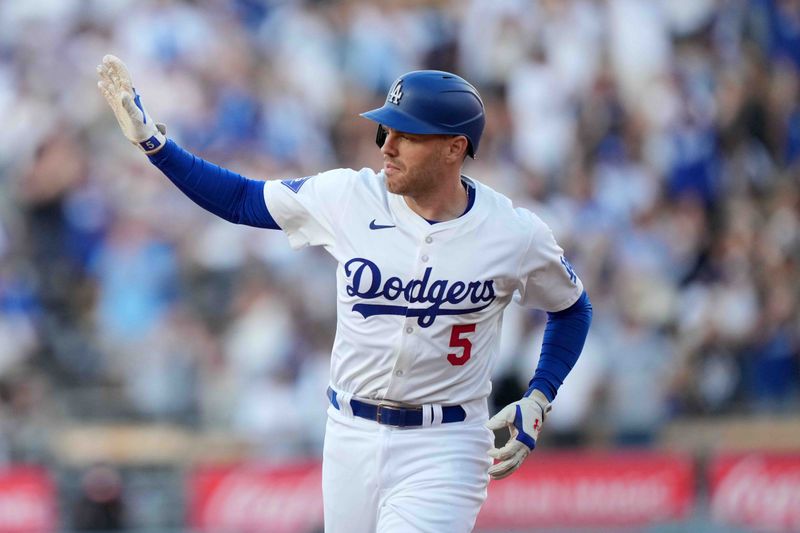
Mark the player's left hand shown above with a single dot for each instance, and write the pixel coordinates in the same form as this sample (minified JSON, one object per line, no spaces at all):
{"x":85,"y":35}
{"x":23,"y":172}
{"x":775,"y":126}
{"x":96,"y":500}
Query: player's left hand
{"x":524,"y":418}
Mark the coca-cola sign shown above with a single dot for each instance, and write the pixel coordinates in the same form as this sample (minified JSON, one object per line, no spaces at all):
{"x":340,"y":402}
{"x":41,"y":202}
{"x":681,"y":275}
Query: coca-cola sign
{"x":757,"y":490}
{"x":250,"y":499}
{"x":569,"y":490}
{"x":27,"y":501}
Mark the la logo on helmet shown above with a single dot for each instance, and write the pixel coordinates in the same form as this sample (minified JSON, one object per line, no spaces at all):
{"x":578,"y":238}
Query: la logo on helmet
{"x":396,"y":93}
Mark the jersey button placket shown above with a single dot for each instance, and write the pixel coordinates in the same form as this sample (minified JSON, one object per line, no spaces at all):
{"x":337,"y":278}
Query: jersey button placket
{"x":401,"y":363}
{"x":408,"y":342}
{"x":424,"y":252}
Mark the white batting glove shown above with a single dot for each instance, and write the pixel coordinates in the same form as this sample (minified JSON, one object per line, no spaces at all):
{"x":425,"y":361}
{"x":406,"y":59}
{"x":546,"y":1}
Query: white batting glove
{"x":117,"y":87}
{"x":524,"y":419}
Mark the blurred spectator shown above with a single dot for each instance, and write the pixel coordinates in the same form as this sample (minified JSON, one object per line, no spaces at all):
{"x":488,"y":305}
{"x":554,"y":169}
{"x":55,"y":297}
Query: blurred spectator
{"x":18,"y":312}
{"x":136,"y":272}
{"x":100,"y":506}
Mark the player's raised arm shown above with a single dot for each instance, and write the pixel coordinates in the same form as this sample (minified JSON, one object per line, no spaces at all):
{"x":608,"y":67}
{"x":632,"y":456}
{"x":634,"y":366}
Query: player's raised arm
{"x":216,"y":189}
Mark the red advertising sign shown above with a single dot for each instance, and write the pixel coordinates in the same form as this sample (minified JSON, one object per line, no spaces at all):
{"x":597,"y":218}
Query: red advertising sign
{"x":569,"y":490}
{"x":758,"y":490}
{"x":27,"y":501}
{"x":250,"y":499}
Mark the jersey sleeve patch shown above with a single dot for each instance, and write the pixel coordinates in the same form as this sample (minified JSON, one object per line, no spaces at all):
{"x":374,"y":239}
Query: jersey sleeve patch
{"x":295,"y":184}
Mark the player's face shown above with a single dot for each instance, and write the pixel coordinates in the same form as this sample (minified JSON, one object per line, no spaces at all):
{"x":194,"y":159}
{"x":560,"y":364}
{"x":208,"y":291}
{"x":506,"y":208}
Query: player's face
{"x":412,"y":163}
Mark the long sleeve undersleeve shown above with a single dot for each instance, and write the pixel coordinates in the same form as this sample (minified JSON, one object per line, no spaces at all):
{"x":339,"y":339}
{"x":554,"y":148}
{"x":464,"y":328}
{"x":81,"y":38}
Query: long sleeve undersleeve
{"x":564,"y":337}
{"x":226,"y":194}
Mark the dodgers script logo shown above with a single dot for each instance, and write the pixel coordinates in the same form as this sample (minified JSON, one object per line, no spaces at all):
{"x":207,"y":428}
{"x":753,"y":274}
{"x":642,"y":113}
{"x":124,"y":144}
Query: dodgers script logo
{"x":366,"y":282}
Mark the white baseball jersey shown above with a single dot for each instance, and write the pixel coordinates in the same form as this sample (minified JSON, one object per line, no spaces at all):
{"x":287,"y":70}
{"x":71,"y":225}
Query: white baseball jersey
{"x":420,"y":305}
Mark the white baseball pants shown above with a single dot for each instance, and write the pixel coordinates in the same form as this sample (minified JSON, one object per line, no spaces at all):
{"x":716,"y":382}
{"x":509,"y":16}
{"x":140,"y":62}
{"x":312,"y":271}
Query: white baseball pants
{"x":383,"y":479}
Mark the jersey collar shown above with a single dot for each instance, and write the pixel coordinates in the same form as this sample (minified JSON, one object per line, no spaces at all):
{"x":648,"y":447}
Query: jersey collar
{"x":409,"y":218}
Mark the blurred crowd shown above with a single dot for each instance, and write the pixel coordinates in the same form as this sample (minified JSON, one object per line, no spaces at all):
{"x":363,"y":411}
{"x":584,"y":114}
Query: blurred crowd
{"x":659,"y":139}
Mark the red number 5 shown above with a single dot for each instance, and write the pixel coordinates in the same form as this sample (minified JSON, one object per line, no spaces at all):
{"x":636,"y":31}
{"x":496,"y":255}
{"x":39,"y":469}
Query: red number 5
{"x":456,"y":341}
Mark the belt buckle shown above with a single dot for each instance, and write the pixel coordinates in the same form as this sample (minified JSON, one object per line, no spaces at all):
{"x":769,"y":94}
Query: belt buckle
{"x":379,"y":410}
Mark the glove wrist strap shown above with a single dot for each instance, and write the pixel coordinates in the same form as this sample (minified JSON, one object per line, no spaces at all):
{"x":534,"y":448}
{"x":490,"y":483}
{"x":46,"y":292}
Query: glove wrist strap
{"x":153,"y":144}
{"x":534,"y":388}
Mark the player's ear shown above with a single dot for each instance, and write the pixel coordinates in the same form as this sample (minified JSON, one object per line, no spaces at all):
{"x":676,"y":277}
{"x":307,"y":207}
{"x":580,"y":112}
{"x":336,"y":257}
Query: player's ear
{"x":457,"y":148}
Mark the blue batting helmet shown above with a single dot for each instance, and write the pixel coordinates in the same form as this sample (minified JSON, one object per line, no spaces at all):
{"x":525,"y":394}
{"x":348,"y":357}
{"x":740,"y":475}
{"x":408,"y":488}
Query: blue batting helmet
{"x":432,"y":102}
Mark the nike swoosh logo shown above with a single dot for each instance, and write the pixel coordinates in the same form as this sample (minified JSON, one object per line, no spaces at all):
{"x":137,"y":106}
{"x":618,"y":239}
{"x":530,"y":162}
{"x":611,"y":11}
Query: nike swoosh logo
{"x":373,"y":225}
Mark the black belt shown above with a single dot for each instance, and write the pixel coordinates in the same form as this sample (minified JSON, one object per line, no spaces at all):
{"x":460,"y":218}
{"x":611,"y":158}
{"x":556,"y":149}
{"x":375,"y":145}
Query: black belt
{"x":393,"y":415}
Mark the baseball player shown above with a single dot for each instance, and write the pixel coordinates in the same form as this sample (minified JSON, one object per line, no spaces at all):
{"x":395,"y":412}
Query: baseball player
{"x":428,"y":258}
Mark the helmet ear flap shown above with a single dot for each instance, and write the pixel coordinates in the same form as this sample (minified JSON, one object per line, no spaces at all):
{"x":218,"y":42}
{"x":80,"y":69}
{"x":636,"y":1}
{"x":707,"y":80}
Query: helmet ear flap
{"x":380,"y":137}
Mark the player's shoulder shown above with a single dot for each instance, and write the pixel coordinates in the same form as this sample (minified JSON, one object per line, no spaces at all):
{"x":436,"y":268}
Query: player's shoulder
{"x":337,"y":179}
{"x":503,"y":212}
{"x":347,"y":175}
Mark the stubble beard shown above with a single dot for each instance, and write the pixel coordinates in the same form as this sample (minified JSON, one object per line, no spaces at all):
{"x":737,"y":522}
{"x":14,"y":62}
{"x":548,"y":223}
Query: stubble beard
{"x":416,"y":182}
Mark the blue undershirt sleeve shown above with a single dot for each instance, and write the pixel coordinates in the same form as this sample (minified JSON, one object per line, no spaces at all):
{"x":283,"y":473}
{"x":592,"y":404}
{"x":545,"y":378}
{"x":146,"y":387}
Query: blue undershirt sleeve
{"x":564,"y":336}
{"x":216,"y":189}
